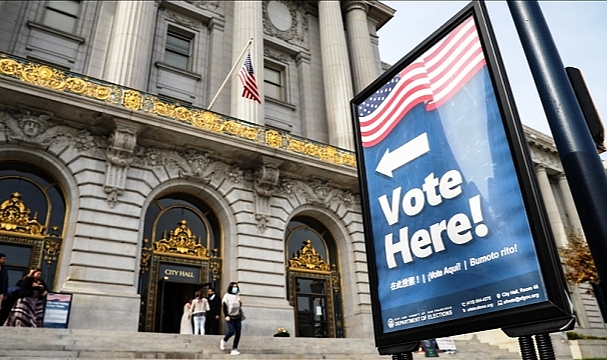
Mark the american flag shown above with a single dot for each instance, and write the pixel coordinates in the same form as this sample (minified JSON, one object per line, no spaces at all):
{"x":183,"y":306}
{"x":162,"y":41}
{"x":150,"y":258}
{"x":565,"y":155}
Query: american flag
{"x":247,"y":78}
{"x":432,"y":79}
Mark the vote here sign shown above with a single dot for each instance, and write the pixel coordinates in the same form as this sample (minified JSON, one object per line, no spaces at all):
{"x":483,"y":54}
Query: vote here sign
{"x":447,"y":225}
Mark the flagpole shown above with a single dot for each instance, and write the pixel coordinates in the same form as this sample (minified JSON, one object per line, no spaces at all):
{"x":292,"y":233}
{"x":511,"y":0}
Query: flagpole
{"x":230,"y":73}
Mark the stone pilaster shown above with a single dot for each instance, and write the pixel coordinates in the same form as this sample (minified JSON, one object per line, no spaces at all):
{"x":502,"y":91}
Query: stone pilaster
{"x":556,"y":223}
{"x":215,"y":71}
{"x":361,"y":47}
{"x":336,"y":74}
{"x":304,"y":73}
{"x":574,"y":219}
{"x":248,"y":24}
{"x":130,"y":47}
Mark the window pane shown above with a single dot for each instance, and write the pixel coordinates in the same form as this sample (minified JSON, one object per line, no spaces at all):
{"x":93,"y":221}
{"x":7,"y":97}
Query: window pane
{"x":178,"y":43}
{"x":59,"y":21}
{"x":273,"y":76}
{"x":273,"y":91}
{"x":176,"y":60}
{"x":68,"y":7}
{"x":171,"y":219}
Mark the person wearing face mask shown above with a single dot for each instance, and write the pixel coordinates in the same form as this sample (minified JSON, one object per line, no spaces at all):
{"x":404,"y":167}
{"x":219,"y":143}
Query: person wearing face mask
{"x":232,"y":309}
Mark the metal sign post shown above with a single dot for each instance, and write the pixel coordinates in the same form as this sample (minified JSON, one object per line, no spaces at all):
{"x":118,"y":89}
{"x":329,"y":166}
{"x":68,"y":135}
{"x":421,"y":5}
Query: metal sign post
{"x":576,"y":148}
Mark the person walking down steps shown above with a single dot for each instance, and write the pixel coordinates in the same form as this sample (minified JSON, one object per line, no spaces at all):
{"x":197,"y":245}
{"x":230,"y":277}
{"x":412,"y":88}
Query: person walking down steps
{"x":232,"y":309}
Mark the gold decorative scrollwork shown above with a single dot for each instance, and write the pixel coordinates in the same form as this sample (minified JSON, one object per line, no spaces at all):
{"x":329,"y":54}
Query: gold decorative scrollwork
{"x":55,"y":79}
{"x":132,"y":100}
{"x":215,"y":268}
{"x":273,"y":138}
{"x":145,"y":261}
{"x":307,"y":258}
{"x":10,"y":67}
{"x":182,"y":241}
{"x":15,"y":217}
{"x":349,"y":160}
{"x":51,"y":251}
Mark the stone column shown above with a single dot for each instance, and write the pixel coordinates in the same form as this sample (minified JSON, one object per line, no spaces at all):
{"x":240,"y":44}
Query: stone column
{"x":248,"y":17}
{"x":574,"y":219}
{"x":361,"y":47}
{"x":556,"y":224}
{"x":336,"y":74}
{"x":130,"y":48}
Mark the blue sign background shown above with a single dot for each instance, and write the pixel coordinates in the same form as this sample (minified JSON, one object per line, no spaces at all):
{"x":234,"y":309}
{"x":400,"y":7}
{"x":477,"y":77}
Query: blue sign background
{"x":467,"y":135}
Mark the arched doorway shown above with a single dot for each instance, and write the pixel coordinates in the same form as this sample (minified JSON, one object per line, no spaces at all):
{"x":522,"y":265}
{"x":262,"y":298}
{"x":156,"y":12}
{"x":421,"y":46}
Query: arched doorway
{"x":313,"y":279}
{"x":180,"y":255}
{"x":32,"y":218}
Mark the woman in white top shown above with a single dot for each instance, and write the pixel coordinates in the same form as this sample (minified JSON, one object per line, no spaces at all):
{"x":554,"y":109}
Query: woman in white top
{"x":186,"y":318}
{"x":200,"y":306}
{"x":232,"y":309}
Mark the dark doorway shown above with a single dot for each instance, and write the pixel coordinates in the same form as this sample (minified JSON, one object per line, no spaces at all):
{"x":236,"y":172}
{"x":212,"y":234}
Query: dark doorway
{"x":18,"y":260}
{"x":171,"y":299}
{"x":311,"y":308}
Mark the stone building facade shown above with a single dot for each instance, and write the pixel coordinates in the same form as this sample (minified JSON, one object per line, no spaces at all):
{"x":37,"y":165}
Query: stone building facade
{"x":119,"y":181}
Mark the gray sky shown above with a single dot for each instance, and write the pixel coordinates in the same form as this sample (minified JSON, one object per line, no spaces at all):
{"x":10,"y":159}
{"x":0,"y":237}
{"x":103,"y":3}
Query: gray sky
{"x":579,"y":29}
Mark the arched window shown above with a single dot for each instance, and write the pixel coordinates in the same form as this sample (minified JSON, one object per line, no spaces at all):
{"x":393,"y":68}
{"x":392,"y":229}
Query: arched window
{"x":313,"y":279}
{"x":180,"y":255}
{"x":32,"y":217}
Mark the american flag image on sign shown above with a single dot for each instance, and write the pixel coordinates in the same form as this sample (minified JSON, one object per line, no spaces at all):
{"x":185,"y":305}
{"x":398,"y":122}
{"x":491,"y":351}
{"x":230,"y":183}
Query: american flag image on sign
{"x":432,"y":79}
{"x":247,"y":78}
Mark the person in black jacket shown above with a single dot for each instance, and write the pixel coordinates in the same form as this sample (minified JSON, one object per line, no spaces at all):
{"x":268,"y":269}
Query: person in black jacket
{"x":212,"y":324}
{"x":29,"y":309}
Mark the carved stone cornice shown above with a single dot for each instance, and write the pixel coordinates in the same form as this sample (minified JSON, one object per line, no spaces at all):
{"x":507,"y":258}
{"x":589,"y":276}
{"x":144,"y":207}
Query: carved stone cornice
{"x":191,"y":164}
{"x":276,"y":55}
{"x":38,"y":130}
{"x":208,"y":5}
{"x":319,"y":192}
{"x":183,"y":21}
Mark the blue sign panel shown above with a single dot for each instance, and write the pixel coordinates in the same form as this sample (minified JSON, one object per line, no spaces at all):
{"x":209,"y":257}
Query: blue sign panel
{"x":450,"y":231}
{"x":57,"y":310}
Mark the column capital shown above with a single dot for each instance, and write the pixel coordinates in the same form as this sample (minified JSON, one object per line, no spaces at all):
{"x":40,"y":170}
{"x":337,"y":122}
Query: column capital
{"x":216,"y":24}
{"x":540,"y":167}
{"x":355,"y":5}
{"x":303,"y":56}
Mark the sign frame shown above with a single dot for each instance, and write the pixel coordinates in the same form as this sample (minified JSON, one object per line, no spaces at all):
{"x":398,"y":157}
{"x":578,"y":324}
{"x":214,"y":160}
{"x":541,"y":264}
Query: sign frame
{"x":57,"y":325}
{"x":558,"y":304}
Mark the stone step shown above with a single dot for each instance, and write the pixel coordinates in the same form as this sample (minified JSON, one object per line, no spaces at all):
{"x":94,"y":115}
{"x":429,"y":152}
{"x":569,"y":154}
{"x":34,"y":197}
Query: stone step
{"x":24,"y":343}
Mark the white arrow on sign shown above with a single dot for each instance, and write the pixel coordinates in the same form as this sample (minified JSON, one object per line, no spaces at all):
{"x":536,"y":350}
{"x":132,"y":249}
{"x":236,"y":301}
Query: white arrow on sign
{"x":404,"y":154}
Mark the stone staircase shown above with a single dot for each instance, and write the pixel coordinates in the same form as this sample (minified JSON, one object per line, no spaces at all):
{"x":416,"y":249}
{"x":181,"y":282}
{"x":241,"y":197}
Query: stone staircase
{"x":25,"y":343}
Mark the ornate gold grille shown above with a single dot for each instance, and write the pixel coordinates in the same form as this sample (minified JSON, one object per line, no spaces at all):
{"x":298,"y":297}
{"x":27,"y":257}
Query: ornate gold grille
{"x":15,"y":217}
{"x":307,"y":258}
{"x":181,"y":241}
